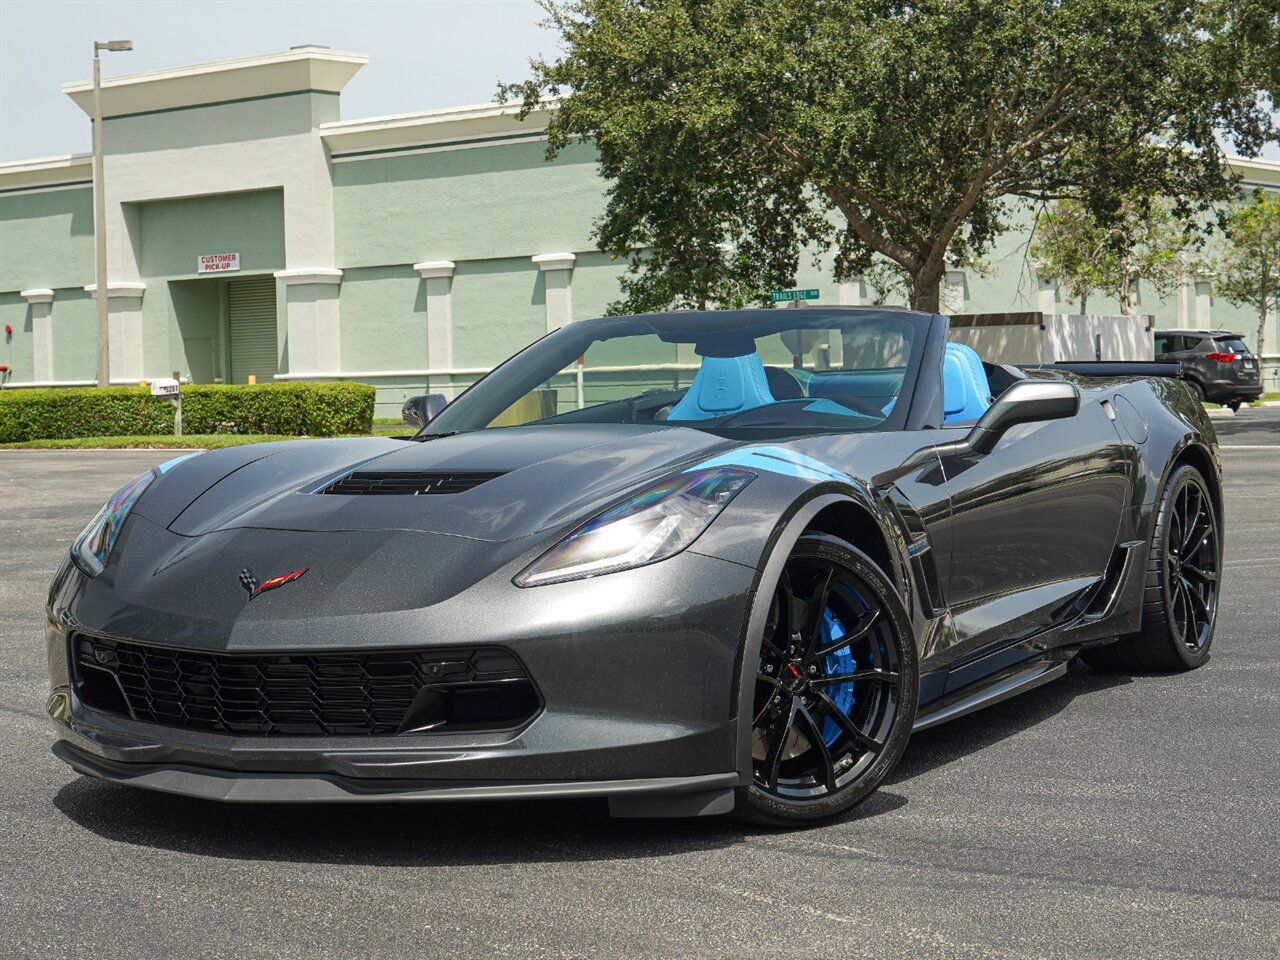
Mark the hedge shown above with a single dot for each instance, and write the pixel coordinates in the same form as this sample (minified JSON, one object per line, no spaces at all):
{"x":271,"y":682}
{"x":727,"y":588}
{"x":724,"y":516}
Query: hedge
{"x":295,"y":409}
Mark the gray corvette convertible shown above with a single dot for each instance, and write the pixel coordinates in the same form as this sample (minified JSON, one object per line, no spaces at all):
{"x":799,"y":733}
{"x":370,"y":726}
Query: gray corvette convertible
{"x":694,"y":562}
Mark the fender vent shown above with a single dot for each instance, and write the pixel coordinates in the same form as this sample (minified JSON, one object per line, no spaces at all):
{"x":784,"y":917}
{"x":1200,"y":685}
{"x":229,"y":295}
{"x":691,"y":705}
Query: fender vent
{"x":406,"y":482}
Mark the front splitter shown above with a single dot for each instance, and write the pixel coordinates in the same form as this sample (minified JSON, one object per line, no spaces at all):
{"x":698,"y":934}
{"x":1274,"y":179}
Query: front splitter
{"x":708,"y":794}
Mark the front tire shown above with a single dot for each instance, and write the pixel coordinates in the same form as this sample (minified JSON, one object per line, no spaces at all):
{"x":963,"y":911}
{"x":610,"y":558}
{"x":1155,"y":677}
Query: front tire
{"x":1180,"y":603}
{"x":837,"y":687}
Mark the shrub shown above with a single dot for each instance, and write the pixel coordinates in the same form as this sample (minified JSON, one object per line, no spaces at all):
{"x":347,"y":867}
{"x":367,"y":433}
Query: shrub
{"x":295,"y":409}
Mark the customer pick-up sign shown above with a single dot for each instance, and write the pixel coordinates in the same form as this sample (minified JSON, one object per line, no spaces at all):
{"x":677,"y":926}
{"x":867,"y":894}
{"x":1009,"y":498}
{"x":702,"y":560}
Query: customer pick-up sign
{"x":217,"y":262}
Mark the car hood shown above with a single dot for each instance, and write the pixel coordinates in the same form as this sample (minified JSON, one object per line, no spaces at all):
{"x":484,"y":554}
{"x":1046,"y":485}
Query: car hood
{"x":548,"y":475}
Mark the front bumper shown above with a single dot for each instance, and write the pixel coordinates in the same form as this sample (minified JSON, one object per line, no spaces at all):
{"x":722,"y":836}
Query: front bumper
{"x":637,"y":672}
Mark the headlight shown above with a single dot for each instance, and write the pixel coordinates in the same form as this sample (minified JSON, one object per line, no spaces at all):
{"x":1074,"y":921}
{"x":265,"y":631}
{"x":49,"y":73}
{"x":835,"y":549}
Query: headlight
{"x":92,"y":548}
{"x":653,"y":525}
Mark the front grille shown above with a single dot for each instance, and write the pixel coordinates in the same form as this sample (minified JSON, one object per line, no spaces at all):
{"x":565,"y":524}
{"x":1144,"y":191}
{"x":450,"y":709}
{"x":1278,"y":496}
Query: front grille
{"x":311,"y":694}
{"x":406,"y":482}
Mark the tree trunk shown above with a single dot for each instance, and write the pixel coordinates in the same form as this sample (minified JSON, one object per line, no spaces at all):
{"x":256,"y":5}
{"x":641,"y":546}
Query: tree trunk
{"x":1263,"y":303}
{"x":925,"y":290}
{"x":1126,"y":305}
{"x":1084,"y":304}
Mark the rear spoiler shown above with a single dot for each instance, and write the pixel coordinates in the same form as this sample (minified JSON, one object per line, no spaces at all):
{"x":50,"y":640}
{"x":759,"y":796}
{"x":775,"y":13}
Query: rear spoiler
{"x":1111,"y":368}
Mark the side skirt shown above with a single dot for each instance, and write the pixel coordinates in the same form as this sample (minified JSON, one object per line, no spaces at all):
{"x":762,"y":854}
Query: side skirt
{"x":1001,"y":685}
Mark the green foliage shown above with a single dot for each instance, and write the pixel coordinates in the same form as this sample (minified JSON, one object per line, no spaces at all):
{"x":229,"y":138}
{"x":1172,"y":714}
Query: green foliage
{"x":738,"y":135}
{"x":294,"y":409}
{"x":1248,"y":269}
{"x":196,"y":441}
{"x":1086,"y":255}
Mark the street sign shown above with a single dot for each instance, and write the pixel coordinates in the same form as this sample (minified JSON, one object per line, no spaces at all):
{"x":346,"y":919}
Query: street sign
{"x":789,"y":296}
{"x":165,"y":387}
{"x":217,"y":262}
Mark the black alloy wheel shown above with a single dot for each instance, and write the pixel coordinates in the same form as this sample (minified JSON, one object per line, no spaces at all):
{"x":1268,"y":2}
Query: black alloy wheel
{"x":1184,"y":569}
{"x":1191,"y":567}
{"x":836,"y":686}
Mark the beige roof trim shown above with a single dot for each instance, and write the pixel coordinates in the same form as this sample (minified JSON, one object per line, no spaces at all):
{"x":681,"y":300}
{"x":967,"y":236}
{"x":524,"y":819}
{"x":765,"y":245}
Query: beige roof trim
{"x":1257,"y":172}
{"x":307,"y":68}
{"x":46,"y":172}
{"x":432,"y":126}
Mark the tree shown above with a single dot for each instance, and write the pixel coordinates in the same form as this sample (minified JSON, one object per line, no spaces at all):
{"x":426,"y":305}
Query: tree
{"x":1145,"y":242}
{"x":888,"y":281}
{"x":1248,"y":268}
{"x":905,"y":129}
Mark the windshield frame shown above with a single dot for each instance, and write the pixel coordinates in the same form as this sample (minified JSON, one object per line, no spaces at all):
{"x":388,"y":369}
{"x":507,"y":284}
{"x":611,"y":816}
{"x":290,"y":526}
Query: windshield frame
{"x":572,"y":340}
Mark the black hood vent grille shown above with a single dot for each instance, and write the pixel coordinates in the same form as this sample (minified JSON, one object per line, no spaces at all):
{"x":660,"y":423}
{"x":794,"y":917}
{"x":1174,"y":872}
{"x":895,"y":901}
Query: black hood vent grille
{"x":408,"y":483}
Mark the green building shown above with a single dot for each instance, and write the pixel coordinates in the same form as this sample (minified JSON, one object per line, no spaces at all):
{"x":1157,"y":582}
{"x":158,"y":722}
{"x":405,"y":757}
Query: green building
{"x":252,"y":232}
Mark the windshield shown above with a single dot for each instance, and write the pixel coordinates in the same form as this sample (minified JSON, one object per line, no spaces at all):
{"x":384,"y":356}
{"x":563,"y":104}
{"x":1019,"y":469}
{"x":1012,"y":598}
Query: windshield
{"x":793,"y":370}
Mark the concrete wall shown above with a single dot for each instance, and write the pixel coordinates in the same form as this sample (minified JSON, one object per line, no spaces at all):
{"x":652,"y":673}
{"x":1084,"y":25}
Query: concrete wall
{"x":477,"y":203}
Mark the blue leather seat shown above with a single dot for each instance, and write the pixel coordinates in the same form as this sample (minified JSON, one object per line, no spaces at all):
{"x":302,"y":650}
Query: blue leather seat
{"x":724,"y":385}
{"x":966,"y":394}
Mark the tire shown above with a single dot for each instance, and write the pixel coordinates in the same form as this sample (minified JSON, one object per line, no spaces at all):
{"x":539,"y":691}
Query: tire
{"x":836,"y":690}
{"x":1180,"y":602}
{"x":1234,"y":405}
{"x":1198,"y":387}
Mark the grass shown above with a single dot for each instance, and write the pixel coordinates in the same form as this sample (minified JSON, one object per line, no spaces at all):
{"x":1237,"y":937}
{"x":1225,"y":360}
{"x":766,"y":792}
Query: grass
{"x":195,"y":441}
{"x":1269,"y":397}
{"x":387,"y":421}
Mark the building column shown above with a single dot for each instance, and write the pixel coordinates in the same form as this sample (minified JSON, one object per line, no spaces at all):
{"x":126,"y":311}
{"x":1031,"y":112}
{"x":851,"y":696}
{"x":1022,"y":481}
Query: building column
{"x":952,"y":299}
{"x":311,"y":318}
{"x":558,"y":271}
{"x":124,"y":330}
{"x":40,"y":302}
{"x":438,"y":276}
{"x":1204,"y":303}
{"x":1046,"y":296}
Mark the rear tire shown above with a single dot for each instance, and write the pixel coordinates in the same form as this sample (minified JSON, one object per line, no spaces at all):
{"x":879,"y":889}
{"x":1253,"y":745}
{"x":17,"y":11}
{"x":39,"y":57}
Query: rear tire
{"x":1180,"y":602}
{"x":1234,"y":405}
{"x":837,"y":687}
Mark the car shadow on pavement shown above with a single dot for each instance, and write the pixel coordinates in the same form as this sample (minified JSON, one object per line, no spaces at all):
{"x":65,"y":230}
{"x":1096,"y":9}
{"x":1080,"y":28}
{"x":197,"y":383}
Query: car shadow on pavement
{"x":963,"y":736}
{"x":497,"y":832}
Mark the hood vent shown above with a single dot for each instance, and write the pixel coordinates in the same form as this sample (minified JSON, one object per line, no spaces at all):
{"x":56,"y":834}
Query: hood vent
{"x":409,"y":483}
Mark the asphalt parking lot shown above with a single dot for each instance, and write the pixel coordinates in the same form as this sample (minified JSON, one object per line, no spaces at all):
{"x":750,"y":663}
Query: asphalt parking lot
{"x":1102,"y":815}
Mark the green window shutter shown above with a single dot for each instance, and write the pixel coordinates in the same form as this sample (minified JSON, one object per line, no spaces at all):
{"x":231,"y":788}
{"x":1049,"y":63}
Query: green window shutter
{"x":251,"y":328}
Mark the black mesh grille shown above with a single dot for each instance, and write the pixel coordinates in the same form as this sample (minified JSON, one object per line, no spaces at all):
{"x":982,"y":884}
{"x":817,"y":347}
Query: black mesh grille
{"x":406,"y":482}
{"x":314,"y":694}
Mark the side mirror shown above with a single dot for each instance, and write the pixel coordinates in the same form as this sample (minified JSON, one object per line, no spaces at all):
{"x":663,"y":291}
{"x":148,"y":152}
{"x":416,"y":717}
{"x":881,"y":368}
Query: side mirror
{"x":1027,"y":401}
{"x":421,"y":410}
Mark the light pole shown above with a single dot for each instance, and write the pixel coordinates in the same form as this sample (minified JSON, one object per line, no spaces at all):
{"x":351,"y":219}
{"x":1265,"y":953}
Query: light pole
{"x":100,"y":211}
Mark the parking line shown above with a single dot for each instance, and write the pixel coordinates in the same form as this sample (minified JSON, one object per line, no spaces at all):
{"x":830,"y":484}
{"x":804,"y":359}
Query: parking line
{"x":1249,"y":446}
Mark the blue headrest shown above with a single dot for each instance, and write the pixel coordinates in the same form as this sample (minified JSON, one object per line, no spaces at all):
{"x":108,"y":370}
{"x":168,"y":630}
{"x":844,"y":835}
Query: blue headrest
{"x":724,"y":385}
{"x":966,"y":394}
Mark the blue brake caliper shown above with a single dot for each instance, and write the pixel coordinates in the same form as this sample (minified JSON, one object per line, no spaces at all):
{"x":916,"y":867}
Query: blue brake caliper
{"x":836,"y":664}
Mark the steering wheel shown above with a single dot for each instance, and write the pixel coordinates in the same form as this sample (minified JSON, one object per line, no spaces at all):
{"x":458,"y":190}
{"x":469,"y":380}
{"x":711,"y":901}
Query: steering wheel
{"x":648,"y":406}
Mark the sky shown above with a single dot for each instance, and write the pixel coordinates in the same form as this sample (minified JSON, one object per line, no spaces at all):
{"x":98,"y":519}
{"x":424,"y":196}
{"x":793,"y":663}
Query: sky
{"x":422,"y":53}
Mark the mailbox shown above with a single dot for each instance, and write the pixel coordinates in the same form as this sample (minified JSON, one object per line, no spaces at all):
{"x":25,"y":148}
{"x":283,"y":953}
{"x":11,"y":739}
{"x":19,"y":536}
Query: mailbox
{"x":165,"y":387}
